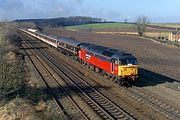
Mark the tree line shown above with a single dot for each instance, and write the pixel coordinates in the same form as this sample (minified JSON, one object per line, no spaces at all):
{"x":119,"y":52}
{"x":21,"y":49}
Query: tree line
{"x":141,"y":22}
{"x":63,"y":21}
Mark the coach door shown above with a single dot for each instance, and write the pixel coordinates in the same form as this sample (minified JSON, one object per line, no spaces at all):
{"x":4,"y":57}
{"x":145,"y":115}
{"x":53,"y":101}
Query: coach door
{"x":113,"y":63}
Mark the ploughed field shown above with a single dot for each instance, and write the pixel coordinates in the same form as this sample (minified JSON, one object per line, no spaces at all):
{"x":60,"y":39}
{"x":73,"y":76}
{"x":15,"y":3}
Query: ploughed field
{"x":161,"y":59}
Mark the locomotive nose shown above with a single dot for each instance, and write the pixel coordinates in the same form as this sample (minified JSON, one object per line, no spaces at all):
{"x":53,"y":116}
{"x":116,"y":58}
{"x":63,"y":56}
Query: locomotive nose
{"x":128,"y":70}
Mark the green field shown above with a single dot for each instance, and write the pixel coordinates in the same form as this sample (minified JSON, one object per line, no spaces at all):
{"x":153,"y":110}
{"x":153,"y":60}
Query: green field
{"x":100,"y":26}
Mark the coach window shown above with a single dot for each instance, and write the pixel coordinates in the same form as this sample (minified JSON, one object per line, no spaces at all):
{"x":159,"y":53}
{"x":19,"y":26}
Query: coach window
{"x":67,"y":46}
{"x":74,"y":49}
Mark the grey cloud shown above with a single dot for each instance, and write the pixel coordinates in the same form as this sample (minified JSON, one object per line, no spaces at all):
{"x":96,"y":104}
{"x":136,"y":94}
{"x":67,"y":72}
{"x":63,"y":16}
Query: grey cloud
{"x":18,"y":9}
{"x":14,"y":9}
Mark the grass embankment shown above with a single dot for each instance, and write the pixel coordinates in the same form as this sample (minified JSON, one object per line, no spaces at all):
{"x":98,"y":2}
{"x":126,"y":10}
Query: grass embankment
{"x":1,"y":36}
{"x":100,"y":26}
{"x":11,"y":67}
{"x":11,"y":75}
{"x":21,"y":96}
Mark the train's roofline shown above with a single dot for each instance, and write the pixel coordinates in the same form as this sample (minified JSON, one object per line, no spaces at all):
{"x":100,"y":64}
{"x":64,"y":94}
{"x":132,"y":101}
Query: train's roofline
{"x":70,"y":41}
{"x":117,"y":54}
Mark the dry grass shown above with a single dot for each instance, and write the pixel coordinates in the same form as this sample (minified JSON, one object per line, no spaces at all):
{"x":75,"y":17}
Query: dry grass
{"x":126,"y":33}
{"x":11,"y":56}
{"x":157,"y":34}
{"x":31,"y":84}
{"x":21,"y":97}
{"x":11,"y":67}
{"x":149,"y":34}
{"x":41,"y":106}
{"x":18,"y":109}
{"x":1,"y":37}
{"x":171,"y":25}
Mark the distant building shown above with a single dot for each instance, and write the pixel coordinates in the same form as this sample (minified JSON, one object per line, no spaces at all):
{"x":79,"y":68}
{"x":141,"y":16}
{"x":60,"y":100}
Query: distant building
{"x":174,"y":35}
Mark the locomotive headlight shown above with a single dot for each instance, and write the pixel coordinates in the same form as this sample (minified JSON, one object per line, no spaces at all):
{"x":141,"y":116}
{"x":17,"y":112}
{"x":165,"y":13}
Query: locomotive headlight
{"x":120,"y":72}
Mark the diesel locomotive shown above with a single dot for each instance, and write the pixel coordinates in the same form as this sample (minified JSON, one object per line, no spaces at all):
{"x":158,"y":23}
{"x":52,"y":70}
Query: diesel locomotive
{"x":117,"y":65}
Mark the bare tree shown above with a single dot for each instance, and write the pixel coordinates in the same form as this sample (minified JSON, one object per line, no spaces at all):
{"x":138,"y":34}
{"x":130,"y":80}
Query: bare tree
{"x":27,"y":25}
{"x":142,"y":22}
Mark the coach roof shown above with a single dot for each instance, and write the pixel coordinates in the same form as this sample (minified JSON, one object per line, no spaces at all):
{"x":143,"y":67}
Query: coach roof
{"x":69,"y":41}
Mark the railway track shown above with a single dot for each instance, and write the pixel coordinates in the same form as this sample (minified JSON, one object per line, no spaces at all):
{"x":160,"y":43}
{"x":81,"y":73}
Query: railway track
{"x":103,"y":106}
{"x":167,"y":109}
{"x":150,"y":99}
{"x":161,"y":106}
{"x":47,"y":86}
{"x":47,"y":83}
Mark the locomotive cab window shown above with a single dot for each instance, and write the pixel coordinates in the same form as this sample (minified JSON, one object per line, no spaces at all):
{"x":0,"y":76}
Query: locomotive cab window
{"x":115,"y":61}
{"x":128,"y":61}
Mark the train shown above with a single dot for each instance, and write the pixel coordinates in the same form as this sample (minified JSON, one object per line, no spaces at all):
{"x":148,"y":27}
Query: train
{"x":119,"y":66}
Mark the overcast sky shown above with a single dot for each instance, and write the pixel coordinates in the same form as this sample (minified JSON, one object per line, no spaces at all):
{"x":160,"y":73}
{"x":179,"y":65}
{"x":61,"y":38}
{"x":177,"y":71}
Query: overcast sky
{"x":117,"y":10}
